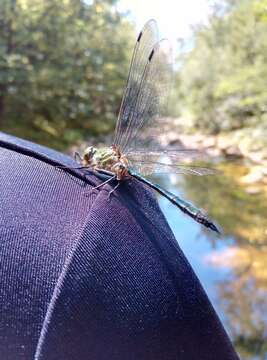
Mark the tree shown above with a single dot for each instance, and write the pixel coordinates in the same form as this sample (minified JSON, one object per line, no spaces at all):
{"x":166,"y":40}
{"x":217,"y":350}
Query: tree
{"x":223,"y":78}
{"x":62,"y":67}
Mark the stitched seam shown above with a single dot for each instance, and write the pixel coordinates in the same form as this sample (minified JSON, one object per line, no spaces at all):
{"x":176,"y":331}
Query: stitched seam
{"x":60,"y":284}
{"x":41,"y":157}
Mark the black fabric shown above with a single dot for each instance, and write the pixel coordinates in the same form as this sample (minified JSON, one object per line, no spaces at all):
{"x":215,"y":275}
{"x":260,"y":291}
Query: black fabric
{"x":85,"y":276}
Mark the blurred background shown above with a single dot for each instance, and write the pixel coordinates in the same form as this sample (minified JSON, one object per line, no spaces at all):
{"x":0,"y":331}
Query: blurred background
{"x":63,"y":67}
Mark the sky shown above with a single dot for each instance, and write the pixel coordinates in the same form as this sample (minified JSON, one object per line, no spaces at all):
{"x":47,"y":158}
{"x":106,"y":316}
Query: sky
{"x":174,"y":17}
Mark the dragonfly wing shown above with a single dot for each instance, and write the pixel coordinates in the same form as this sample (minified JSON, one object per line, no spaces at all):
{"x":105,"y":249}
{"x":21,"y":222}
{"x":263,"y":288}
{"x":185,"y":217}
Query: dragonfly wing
{"x":169,"y":161}
{"x":144,"y":102}
{"x":173,"y":154}
{"x":146,"y":40}
{"x":150,"y":167}
{"x":149,"y":100}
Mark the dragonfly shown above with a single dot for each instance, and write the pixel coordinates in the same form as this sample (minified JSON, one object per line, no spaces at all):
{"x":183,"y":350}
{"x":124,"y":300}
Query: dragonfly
{"x":143,"y":103}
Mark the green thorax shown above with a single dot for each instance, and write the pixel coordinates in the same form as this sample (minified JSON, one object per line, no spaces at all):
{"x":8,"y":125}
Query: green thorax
{"x":104,"y":158}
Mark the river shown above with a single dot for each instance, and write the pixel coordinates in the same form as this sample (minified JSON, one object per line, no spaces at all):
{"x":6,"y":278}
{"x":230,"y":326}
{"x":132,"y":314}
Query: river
{"x":232,"y":267}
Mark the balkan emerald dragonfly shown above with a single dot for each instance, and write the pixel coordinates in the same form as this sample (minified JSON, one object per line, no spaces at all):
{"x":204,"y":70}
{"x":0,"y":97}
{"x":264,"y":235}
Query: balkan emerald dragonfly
{"x":148,"y":83}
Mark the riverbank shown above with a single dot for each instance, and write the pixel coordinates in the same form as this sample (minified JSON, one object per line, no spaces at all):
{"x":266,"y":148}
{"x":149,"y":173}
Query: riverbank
{"x":246,"y":146}
{"x":228,"y":147}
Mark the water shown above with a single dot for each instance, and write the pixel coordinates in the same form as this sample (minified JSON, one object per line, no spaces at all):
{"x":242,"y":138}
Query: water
{"x":232,"y":267}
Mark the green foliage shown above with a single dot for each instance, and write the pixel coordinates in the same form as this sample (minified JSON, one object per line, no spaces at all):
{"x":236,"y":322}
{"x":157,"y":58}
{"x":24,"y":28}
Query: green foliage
{"x":62,"y":67}
{"x":260,"y":8}
{"x":223,"y":78}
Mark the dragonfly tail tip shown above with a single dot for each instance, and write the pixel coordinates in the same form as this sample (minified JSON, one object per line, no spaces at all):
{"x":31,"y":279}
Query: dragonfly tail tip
{"x":214,"y":228}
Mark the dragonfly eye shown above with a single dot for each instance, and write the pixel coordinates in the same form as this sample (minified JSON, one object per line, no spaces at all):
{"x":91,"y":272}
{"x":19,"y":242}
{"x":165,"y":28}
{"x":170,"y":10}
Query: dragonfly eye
{"x":89,"y":152}
{"x":119,"y":166}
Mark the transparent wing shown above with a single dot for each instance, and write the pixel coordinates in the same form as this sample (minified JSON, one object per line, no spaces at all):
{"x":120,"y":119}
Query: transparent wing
{"x":148,"y":168}
{"x":150,"y":97}
{"x":146,"y":40}
{"x":173,"y":154}
{"x":142,"y":109}
{"x":169,"y":160}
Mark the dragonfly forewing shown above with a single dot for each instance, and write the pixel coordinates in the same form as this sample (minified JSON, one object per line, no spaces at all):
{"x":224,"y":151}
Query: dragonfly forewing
{"x":145,"y":43}
{"x":145,"y":96}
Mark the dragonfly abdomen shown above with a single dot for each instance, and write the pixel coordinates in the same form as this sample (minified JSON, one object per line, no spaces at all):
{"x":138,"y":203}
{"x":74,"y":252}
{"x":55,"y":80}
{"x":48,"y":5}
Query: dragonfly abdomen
{"x":194,"y":212}
{"x":183,"y":205}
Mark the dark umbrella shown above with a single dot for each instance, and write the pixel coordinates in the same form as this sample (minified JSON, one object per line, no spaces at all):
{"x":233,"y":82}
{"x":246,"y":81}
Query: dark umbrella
{"x":93,"y":277}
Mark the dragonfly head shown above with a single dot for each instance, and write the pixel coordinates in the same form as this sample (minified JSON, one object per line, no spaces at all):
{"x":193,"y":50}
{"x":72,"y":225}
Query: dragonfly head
{"x":120,"y":169}
{"x":88,"y":154}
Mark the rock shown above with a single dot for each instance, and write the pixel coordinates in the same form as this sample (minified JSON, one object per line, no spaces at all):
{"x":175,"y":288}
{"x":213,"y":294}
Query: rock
{"x":256,"y":156}
{"x":168,"y":139}
{"x":224,"y":142}
{"x":233,"y":151}
{"x":208,"y":142}
{"x":191,"y":141}
{"x":213,"y":152}
{"x":254,"y":176}
{"x":253,"y":190}
{"x":264,"y":168}
{"x":176,"y":143}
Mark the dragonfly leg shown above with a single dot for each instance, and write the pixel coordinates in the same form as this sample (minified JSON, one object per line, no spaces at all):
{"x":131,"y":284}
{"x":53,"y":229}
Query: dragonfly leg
{"x":112,"y":191}
{"x":72,"y":168}
{"x":77,"y":155}
{"x":103,"y":183}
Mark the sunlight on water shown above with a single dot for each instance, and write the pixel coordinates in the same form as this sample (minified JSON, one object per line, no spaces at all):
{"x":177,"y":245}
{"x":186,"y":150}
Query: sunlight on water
{"x":231,"y":267}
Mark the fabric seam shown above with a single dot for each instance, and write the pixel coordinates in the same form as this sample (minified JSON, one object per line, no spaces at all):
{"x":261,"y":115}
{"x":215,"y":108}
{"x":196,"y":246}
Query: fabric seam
{"x":59,"y":285}
{"x":46,"y":159}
